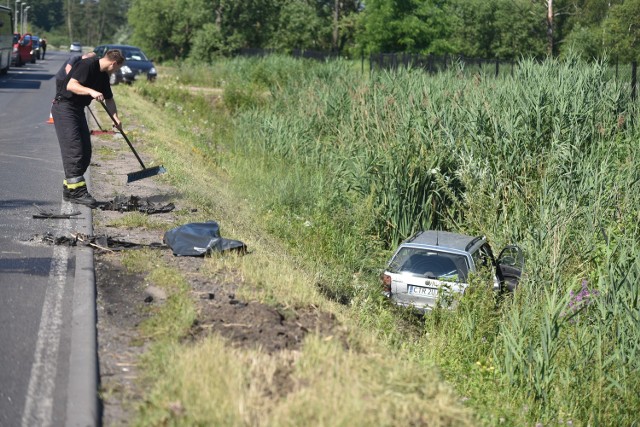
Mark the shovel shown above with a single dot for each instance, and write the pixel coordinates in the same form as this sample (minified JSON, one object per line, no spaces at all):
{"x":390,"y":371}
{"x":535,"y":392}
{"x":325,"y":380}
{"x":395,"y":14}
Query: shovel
{"x":145,"y":172}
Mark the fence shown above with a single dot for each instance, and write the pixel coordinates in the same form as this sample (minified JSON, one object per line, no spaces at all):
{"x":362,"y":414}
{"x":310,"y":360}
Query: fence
{"x":296,"y":53}
{"x":436,"y":64}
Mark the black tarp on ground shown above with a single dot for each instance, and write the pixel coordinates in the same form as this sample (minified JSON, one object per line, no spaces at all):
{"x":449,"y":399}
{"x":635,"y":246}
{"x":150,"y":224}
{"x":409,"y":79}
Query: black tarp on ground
{"x":200,"y":239}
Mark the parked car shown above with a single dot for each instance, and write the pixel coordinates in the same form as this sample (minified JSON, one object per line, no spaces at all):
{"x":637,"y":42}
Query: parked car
{"x":75,"y":47}
{"x":36,"y":51}
{"x":433,"y":262}
{"x":136,"y":64}
{"x":22,"y":50}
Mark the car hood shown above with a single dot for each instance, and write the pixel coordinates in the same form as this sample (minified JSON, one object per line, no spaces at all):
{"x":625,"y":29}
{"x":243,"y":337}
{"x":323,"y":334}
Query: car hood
{"x":139,"y":66}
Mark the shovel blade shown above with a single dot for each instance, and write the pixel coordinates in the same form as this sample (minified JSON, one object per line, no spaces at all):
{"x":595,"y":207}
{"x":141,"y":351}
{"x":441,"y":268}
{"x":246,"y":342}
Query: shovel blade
{"x":145,"y":173}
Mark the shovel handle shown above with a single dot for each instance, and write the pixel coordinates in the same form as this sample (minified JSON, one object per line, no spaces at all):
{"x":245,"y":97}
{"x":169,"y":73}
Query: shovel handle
{"x":123,"y":134}
{"x":94,"y":118}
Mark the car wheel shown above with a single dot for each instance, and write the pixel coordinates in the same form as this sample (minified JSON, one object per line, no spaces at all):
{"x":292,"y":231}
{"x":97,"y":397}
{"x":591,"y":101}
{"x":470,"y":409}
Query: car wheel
{"x":112,"y":79}
{"x":510,"y":284}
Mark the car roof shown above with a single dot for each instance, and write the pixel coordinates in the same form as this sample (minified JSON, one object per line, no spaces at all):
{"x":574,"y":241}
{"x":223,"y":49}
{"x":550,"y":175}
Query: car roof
{"x":117,"y":46}
{"x":446,"y":239}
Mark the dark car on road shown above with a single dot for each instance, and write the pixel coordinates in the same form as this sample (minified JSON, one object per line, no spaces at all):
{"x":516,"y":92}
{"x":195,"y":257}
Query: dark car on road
{"x":36,"y":50}
{"x":432,"y":263}
{"x":136,"y":64}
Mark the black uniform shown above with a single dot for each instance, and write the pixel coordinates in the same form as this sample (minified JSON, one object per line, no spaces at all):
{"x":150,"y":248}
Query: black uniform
{"x":61,"y":75}
{"x":71,"y":123}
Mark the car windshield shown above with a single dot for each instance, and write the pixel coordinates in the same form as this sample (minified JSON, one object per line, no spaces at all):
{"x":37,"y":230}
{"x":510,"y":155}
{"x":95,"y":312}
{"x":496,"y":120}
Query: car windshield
{"x":430,"y":264}
{"x":134,"y":55}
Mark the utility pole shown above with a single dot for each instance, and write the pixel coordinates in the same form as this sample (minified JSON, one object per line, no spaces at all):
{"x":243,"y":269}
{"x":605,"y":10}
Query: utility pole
{"x":25,"y":28}
{"x":15,"y":16}
{"x":69,"y":20}
{"x":21,"y":16}
{"x":550,"y":28}
{"x":336,"y":17}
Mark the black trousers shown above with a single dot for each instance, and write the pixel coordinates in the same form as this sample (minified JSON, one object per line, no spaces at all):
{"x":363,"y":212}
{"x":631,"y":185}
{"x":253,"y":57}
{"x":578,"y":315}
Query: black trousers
{"x":73,"y":136}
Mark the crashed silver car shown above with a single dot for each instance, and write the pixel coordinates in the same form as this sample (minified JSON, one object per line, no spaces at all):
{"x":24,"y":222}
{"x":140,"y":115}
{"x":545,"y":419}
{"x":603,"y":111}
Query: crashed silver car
{"x":433,"y":263}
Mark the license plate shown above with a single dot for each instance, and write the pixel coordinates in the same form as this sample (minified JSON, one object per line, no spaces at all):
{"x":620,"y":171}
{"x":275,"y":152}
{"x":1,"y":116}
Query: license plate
{"x":420,"y":290}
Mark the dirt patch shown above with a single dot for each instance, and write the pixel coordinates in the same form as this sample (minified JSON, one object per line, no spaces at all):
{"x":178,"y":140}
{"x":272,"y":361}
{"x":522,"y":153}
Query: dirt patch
{"x":124,"y":299}
{"x":250,"y":324}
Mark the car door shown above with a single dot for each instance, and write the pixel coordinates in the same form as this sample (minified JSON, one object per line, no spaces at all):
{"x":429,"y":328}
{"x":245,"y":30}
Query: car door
{"x":510,"y":265}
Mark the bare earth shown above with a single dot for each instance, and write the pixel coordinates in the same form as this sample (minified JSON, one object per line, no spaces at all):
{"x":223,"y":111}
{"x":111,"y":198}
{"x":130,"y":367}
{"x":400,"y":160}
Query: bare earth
{"x":125,"y":299}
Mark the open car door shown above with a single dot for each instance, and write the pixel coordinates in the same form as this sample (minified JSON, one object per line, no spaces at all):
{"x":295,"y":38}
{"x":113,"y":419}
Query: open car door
{"x":509,"y":266}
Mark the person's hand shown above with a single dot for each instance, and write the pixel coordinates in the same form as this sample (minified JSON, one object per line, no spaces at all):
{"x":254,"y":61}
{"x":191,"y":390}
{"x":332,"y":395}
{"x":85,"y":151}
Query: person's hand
{"x":117,"y":124}
{"x":97,"y":96}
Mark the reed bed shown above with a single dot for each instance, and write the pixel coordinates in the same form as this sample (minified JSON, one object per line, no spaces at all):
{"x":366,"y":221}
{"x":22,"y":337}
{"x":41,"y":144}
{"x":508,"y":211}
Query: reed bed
{"x":546,"y":157}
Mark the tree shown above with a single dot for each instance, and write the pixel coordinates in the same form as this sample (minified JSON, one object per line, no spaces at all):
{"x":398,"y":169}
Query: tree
{"x":520,"y":29}
{"x":622,"y":30}
{"x":165,"y":28}
{"x":47,"y":14}
{"x":474,"y":32}
{"x":299,"y":26}
{"x":419,"y":26}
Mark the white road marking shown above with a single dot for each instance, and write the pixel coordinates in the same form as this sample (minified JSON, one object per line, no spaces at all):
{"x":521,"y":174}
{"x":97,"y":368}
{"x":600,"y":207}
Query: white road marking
{"x":39,"y":400}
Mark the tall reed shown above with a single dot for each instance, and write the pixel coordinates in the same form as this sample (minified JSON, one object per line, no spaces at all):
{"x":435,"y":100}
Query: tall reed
{"x":547,"y":158}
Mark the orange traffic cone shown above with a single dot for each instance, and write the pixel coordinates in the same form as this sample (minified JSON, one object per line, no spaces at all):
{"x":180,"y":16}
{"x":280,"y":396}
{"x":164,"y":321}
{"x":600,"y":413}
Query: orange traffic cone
{"x":50,"y":121}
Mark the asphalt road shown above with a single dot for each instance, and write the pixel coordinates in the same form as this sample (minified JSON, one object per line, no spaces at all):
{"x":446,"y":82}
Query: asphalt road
{"x":46,"y":295}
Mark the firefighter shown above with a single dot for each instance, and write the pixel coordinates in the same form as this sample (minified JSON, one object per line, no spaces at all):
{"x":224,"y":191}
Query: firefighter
{"x":87,"y":80}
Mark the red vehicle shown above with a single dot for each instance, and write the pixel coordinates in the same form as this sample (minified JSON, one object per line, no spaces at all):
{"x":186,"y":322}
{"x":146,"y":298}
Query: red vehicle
{"x":22,"y":50}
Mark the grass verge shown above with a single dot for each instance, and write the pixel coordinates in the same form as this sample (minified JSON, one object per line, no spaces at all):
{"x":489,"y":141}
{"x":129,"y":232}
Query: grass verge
{"x":355,"y":379}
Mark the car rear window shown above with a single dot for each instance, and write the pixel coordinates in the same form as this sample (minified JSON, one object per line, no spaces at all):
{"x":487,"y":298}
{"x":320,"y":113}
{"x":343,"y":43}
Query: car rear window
{"x":430,"y":263}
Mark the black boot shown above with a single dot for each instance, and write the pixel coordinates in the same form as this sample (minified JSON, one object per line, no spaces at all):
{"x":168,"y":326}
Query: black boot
{"x":80,"y":196}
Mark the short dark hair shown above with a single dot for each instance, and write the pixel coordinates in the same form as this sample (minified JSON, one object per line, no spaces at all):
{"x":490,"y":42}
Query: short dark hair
{"x":115,"y":55}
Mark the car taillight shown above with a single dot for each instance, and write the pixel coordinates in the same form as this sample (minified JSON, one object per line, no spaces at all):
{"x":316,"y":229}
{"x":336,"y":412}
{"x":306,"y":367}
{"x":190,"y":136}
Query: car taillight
{"x":386,"y":282}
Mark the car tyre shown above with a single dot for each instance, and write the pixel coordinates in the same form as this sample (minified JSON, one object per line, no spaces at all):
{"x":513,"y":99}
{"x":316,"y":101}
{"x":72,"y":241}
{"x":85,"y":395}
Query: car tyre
{"x":113,"y":80}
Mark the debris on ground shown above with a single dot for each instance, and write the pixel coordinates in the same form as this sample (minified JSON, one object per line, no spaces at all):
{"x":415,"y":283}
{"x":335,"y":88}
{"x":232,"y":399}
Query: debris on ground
{"x":100,"y":242}
{"x":133,"y":203}
{"x":51,"y":215}
{"x":200,"y":239}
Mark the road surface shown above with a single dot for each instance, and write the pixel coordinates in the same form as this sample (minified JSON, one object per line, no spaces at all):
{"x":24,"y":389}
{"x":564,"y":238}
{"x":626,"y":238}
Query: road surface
{"x":46,"y":292}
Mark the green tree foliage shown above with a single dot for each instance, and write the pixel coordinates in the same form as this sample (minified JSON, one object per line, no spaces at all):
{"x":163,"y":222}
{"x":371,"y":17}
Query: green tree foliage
{"x":521,"y":29}
{"x":475,"y":27}
{"x":89,"y":21}
{"x":622,"y":30}
{"x":46,"y":14}
{"x":418,"y":26}
{"x":166,"y":29}
{"x":95,"y":22}
{"x":298,"y":25}
{"x":204,"y":29}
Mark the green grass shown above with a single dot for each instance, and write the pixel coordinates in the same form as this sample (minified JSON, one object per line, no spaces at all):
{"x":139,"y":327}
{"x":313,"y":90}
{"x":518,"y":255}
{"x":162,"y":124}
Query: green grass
{"x":337,"y":168}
